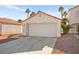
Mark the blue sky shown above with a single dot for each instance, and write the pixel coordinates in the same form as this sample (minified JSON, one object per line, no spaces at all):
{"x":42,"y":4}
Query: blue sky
{"x":18,"y":11}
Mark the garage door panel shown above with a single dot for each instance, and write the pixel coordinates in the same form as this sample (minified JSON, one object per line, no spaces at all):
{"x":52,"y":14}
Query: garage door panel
{"x":48,"y":30}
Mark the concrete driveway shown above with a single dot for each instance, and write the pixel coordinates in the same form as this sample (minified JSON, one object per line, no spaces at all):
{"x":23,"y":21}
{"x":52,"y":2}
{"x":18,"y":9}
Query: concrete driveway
{"x":17,"y":44}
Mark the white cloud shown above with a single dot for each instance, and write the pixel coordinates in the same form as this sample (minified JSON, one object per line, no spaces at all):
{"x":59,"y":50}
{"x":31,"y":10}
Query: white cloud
{"x":6,"y":16}
{"x":14,"y":7}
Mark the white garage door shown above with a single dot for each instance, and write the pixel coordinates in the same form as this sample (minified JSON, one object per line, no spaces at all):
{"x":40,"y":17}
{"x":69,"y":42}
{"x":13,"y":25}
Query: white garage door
{"x":48,"y":30}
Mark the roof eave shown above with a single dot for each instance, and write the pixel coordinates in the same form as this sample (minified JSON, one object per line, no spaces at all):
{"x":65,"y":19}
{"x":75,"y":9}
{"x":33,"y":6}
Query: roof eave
{"x":43,"y":13}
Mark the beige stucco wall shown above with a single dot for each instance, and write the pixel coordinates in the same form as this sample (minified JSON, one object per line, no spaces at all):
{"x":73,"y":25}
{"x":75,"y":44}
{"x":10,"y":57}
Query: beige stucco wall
{"x":73,"y":15}
{"x":25,"y":29}
{"x":73,"y":29}
{"x":42,"y":18}
{"x":11,"y":28}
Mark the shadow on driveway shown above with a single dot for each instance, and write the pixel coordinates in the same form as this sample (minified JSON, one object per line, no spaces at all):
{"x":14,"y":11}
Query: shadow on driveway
{"x":7,"y":40}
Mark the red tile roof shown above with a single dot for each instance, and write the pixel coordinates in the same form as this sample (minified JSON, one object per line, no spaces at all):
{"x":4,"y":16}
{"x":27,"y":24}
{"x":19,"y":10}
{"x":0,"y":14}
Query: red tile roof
{"x":8,"y":21}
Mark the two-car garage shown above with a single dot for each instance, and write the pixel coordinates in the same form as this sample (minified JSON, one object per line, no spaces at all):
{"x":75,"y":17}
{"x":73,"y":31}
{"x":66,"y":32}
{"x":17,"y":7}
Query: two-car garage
{"x":43,"y":30}
{"x":43,"y":25}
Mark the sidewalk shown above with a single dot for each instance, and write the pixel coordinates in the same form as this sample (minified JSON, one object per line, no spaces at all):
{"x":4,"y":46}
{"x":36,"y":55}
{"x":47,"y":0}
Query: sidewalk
{"x":45,"y":50}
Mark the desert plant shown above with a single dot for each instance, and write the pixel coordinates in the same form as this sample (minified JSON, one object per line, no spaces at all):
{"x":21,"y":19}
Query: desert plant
{"x":64,"y":14}
{"x":64,"y":25}
{"x":64,"y":21}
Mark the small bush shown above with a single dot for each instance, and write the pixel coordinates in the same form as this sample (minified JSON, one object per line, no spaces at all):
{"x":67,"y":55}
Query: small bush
{"x":64,"y":25}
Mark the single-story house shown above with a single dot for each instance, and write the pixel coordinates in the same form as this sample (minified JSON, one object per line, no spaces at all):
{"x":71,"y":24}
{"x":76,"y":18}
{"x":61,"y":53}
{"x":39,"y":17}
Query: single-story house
{"x":42,"y":24}
{"x":73,"y":17}
{"x":9,"y":26}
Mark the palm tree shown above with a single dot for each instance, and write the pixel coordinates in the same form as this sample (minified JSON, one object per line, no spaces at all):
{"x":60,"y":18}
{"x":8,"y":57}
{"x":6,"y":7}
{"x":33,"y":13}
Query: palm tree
{"x":65,"y":14}
{"x":28,"y":12}
{"x":64,"y":21}
{"x":32,"y":14}
{"x":65,"y":26}
{"x":61,"y":9}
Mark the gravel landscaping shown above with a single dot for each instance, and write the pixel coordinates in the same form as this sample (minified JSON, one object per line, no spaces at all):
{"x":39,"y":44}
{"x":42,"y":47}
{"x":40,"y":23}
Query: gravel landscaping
{"x":68,"y":44}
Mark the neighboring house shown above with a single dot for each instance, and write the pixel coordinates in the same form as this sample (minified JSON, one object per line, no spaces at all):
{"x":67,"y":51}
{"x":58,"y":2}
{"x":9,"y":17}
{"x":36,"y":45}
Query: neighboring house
{"x":9,"y":26}
{"x":42,"y":24}
{"x":73,"y":17}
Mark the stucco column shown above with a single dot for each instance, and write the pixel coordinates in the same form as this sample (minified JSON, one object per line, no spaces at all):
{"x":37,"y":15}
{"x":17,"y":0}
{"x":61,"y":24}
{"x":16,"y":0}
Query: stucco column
{"x":25,"y":29}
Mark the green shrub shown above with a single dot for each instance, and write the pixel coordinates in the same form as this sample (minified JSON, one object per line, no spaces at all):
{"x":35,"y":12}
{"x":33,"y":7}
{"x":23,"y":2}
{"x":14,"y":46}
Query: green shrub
{"x":64,"y":25}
